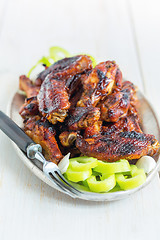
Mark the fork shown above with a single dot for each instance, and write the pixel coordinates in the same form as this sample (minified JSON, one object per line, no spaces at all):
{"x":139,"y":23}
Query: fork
{"x":34,"y":151}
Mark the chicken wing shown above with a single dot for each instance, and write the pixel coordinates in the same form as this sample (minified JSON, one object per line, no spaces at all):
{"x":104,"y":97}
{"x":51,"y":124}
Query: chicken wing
{"x":67,"y":138}
{"x":66,"y":68}
{"x":110,"y":148}
{"x":128,"y":123}
{"x":26,"y":85}
{"x":82,"y":117}
{"x":29,"y":108}
{"x":99,"y":84}
{"x":94,"y":130}
{"x":59,"y":85}
{"x":53,"y":100}
{"x":117,"y":103}
{"x":42,"y":132}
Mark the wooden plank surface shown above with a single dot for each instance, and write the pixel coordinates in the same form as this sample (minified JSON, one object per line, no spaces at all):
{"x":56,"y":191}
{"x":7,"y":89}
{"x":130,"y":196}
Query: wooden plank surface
{"x":147,"y":33}
{"x":29,"y":209}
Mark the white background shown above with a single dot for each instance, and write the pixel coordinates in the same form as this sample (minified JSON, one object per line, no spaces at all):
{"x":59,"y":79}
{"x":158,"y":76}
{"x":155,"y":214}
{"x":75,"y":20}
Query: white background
{"x":125,"y":31}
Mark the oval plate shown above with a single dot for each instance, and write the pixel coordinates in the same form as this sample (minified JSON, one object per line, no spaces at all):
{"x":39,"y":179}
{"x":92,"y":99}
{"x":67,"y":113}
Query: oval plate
{"x":149,"y":125}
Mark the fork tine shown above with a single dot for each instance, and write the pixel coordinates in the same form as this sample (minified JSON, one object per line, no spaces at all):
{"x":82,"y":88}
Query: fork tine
{"x":59,"y":185}
{"x":66,"y":182}
{"x":55,"y":182}
{"x":66,"y":185}
{"x":53,"y":172}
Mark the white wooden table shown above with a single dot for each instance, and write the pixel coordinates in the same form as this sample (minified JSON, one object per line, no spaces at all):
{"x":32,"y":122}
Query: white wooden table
{"x":126,"y":31}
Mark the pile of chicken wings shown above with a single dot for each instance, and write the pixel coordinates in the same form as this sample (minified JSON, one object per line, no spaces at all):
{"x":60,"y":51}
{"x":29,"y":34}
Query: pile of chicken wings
{"x":73,"y":107}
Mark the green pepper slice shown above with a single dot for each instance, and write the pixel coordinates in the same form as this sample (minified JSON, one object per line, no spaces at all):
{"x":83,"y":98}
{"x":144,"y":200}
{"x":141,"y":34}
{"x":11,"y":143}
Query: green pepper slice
{"x":138,"y":177}
{"x":77,"y":176}
{"x":57,"y":53}
{"x":80,"y":187}
{"x":43,"y":60}
{"x":115,"y":167}
{"x":82,"y":163}
{"x":101,"y":186}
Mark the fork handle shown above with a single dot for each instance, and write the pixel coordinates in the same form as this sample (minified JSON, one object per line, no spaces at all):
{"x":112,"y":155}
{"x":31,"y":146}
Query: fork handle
{"x":14,"y":132}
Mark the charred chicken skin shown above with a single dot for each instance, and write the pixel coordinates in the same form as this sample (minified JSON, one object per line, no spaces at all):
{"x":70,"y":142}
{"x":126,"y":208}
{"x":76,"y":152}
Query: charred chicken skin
{"x":59,"y":85}
{"x":117,"y":104}
{"x":67,"y":138}
{"x":26,"y":85}
{"x":123,"y":145}
{"x":43,"y":133}
{"x":128,"y":123}
{"x":53,"y":100}
{"x":82,"y":117}
{"x":73,"y":107}
{"x":117,"y":140}
{"x":66,"y":68}
{"x":29,"y":108}
{"x":99,"y":84}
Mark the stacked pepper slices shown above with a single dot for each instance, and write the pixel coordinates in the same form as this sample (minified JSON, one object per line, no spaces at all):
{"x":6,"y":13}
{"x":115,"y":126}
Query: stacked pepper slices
{"x":89,"y":174}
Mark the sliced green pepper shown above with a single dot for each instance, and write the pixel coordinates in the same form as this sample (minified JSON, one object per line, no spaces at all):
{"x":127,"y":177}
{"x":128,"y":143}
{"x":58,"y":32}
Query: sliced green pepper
{"x":84,"y":183}
{"x":115,"y":167}
{"x":137,"y":178}
{"x":83,"y":163}
{"x":94,"y":63}
{"x":57,"y":53}
{"x":94,"y":173}
{"x":43,"y":60}
{"x":77,"y":176}
{"x":80,"y":187}
{"x":115,"y":189}
{"x":101,"y":186}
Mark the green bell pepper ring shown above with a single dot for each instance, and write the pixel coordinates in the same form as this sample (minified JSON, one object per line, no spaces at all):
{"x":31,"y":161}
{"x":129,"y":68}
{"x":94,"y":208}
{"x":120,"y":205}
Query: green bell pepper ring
{"x":94,"y":62}
{"x":137,"y":178}
{"x":43,"y":60}
{"x":80,"y":187}
{"x":57,"y":53}
{"x":115,"y":189}
{"x":101,"y":186}
{"x":115,"y":167}
{"x":82,"y":163}
{"x":77,"y":176}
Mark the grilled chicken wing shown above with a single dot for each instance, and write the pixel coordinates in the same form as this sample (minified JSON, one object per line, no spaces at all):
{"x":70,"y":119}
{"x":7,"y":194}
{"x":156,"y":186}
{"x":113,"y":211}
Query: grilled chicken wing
{"x":26,"y":85}
{"x":110,"y":148}
{"x":29,"y":108}
{"x":53,"y":100}
{"x":67,"y":138}
{"x":66,"y":68}
{"x":99,"y":84}
{"x":59,"y":85}
{"x":117,"y":103}
{"x":82,"y":117}
{"x":98,"y":136}
{"x":93,"y":130}
{"x":43,"y":133}
{"x":128,"y":123}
